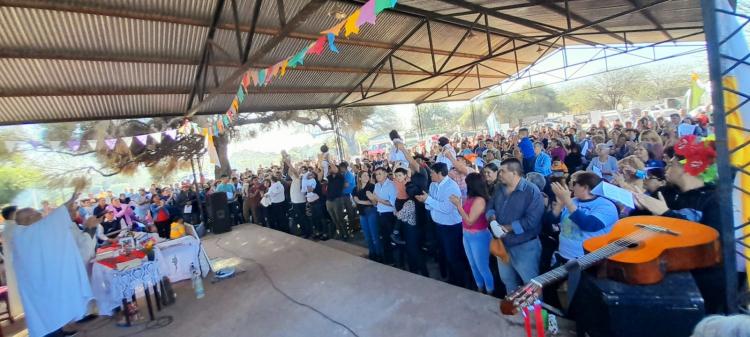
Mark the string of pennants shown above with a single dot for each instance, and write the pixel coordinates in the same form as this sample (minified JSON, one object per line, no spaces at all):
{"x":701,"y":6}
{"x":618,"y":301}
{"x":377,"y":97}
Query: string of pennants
{"x":253,"y":77}
{"x":262,"y":77}
{"x":76,"y":144}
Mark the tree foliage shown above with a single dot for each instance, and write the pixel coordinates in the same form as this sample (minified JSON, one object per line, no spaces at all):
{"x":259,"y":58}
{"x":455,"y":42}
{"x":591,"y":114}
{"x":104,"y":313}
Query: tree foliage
{"x":513,"y":107}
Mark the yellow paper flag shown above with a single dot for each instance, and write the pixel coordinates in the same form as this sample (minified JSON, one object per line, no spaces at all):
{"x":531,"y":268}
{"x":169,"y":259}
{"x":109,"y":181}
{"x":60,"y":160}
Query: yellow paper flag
{"x":351,"y":24}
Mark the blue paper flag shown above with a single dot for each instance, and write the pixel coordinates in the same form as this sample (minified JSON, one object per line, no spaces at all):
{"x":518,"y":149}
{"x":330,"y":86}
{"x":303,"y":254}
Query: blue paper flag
{"x":332,"y":46}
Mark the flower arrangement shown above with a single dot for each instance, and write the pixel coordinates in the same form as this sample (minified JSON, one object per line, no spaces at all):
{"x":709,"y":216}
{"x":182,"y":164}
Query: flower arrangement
{"x":700,"y":156}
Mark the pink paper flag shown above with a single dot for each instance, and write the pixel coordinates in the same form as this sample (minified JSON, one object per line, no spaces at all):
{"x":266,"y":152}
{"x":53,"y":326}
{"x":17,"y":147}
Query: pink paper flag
{"x":74,"y":144}
{"x":143,"y":139}
{"x":254,"y":75}
{"x":367,"y":13}
{"x":171,"y":133}
{"x":110,"y":143}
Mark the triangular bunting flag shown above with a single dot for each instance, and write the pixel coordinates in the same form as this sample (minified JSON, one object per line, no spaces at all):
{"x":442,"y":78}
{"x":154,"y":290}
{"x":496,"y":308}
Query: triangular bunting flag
{"x":143,"y":139}
{"x":92,"y":144}
{"x":393,"y":3}
{"x":335,"y":30}
{"x":262,"y":77}
{"x":235,"y":104}
{"x":215,"y":130}
{"x":332,"y":46}
{"x":156,"y":136}
{"x":298,"y":58}
{"x":351,"y":27}
{"x":220,"y":126}
{"x":283,"y":67}
{"x":74,"y":144}
{"x":111,"y":142}
{"x":53,"y":144}
{"x":254,"y":75}
{"x":127,"y":140}
{"x":171,"y":133}
{"x":317,"y":47}
{"x":367,"y":13}
{"x":240,"y":95}
{"x":34,"y":143}
{"x":246,"y":80}
{"x":381,"y":5}
{"x":226,"y":120}
{"x":272,"y":71}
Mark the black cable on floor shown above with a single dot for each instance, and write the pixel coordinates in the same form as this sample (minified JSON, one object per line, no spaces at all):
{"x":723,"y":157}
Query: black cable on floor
{"x":273,"y":284}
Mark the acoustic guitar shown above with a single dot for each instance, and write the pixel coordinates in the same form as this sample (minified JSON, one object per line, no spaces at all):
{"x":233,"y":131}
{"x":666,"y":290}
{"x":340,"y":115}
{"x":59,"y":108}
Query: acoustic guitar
{"x":638,"y":250}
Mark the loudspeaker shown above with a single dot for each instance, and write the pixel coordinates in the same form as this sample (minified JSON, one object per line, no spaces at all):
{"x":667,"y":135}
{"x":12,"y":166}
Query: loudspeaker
{"x":606,"y":308}
{"x":221,"y":220}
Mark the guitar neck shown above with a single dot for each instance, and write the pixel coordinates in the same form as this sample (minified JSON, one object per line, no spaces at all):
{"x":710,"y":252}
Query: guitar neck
{"x":583,"y":262}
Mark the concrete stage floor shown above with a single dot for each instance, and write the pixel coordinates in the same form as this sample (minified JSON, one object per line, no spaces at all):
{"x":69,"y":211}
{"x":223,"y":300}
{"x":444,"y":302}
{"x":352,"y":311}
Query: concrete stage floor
{"x":358,"y":296}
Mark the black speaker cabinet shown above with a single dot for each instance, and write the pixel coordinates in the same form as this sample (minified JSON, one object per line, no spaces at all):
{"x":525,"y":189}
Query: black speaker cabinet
{"x":221,"y":220}
{"x":605,"y":308}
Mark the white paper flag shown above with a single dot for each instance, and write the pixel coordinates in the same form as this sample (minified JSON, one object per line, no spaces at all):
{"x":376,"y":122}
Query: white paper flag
{"x":92,"y":143}
{"x":156,"y":136}
{"x":127,"y":140}
{"x":54,"y":144}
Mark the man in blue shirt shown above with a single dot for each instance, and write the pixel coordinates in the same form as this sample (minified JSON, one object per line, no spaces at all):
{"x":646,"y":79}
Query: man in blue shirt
{"x":543,"y":162}
{"x":516,"y":208}
{"x":527,"y":150}
{"x":448,"y":221}
{"x":385,"y":199}
{"x":350,"y":183}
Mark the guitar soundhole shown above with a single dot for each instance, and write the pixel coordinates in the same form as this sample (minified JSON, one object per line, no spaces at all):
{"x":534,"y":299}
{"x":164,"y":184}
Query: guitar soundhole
{"x":632,"y":245}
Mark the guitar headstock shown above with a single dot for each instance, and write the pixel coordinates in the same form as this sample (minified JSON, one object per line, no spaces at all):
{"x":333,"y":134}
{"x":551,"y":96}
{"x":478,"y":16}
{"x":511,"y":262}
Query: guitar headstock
{"x":522,"y":297}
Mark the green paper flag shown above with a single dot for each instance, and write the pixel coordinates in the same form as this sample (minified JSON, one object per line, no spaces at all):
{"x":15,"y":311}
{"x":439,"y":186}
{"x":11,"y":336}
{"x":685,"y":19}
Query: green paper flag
{"x":240,"y":95}
{"x":381,"y":5}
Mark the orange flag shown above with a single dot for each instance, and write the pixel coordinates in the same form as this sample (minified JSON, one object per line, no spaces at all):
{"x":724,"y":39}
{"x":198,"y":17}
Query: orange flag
{"x":335,"y":30}
{"x":283,"y":67}
{"x":235,"y":104}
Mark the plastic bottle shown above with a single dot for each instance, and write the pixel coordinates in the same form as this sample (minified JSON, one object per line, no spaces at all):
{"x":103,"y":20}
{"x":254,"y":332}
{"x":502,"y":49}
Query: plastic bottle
{"x":197,"y":282}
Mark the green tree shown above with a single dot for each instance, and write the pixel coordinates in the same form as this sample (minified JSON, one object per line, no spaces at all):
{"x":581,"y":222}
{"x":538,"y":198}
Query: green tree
{"x":16,"y":176}
{"x":513,"y":107}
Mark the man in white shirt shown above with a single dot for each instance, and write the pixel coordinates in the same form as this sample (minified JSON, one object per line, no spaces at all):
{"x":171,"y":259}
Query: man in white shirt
{"x":447,"y":153}
{"x":276,"y":209}
{"x":299,"y":201}
{"x":385,"y":199}
{"x":448,"y":221}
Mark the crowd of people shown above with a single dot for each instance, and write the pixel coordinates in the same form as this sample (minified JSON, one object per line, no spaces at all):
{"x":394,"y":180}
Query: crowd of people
{"x":531,"y":193}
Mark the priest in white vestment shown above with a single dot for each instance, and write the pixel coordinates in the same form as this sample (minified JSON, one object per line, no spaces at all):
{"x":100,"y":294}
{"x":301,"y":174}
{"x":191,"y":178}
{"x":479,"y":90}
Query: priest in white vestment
{"x":52,"y":279}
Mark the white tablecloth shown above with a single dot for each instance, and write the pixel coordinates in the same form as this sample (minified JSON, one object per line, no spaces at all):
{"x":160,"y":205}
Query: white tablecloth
{"x":111,"y":286}
{"x":176,"y":256}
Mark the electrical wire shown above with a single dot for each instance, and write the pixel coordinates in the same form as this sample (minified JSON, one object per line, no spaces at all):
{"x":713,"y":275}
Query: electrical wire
{"x":275,"y":287}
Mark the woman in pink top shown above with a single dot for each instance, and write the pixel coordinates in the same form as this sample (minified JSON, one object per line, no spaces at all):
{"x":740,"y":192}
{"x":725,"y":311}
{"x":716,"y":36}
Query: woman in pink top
{"x":476,"y":235}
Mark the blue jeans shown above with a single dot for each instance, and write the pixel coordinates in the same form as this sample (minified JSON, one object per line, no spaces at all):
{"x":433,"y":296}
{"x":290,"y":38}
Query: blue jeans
{"x":369,"y":222}
{"x":524,"y":262}
{"x":477,"y":247}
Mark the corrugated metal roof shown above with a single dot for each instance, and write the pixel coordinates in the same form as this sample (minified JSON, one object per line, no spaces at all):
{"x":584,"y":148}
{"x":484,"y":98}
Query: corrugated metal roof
{"x":89,"y":59}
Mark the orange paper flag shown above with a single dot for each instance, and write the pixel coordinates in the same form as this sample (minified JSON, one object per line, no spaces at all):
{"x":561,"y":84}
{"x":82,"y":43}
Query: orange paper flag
{"x":335,"y":30}
{"x":235,"y":104}
{"x":351,"y":24}
{"x":246,"y":80}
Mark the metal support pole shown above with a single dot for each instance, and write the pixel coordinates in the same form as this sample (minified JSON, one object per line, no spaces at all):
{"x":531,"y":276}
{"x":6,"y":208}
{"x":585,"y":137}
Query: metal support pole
{"x":473,"y":116}
{"x":337,"y":133}
{"x":198,"y":187}
{"x":725,"y":183}
{"x":419,"y":121}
